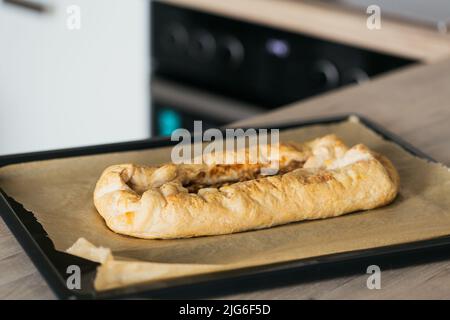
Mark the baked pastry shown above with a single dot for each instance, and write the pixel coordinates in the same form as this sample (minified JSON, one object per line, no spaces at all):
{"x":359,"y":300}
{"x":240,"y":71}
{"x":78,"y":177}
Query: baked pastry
{"x":318,"y":179}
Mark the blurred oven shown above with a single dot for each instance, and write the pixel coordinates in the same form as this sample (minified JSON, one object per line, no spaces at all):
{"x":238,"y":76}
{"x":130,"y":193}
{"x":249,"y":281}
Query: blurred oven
{"x":176,"y":105}
{"x":247,"y":63}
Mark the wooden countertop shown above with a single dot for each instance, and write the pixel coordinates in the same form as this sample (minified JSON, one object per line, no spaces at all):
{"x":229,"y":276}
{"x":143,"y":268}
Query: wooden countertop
{"x":413,"y":103}
{"x":333,"y":23}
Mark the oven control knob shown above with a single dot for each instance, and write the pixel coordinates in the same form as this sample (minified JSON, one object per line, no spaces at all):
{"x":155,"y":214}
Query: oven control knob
{"x":175,"y":38}
{"x":325,"y":74}
{"x":230,"y":51}
{"x":202,"y":45}
{"x":355,"y":75}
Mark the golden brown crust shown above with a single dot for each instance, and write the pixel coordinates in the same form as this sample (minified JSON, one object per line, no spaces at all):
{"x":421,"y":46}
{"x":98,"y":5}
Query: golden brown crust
{"x":319,"y":179}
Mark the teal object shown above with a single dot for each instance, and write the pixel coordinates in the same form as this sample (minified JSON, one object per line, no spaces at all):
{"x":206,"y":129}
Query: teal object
{"x":168,"y":121}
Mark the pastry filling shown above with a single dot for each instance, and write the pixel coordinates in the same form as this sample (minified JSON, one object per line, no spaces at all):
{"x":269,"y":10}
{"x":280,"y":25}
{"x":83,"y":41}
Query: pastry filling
{"x":225,"y":175}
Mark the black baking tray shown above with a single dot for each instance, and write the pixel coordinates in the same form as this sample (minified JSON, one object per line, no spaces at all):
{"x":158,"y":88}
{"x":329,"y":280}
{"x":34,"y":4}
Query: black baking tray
{"x":53,"y":264}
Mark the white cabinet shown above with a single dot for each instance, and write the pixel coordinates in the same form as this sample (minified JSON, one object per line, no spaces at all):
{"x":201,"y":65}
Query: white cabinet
{"x":62,"y":88}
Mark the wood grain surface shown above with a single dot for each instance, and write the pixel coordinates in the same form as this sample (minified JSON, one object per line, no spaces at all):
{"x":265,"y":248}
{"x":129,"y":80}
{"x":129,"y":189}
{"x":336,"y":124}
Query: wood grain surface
{"x":413,"y":103}
{"x":333,"y":23}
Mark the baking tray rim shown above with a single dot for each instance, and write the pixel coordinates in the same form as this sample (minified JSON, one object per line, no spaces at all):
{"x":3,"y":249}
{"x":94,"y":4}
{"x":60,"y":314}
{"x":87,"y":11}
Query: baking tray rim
{"x":57,"y":282}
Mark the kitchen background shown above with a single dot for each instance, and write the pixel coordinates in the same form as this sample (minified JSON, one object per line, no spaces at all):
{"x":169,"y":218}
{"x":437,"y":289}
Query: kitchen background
{"x":62,"y":88}
{"x":136,"y":69}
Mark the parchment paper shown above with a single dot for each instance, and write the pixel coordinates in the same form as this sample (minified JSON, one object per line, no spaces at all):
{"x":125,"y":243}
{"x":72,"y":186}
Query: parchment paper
{"x":59,"y":193}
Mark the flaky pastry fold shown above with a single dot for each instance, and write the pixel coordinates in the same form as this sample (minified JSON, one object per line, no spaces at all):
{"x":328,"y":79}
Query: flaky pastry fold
{"x":318,"y":179}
